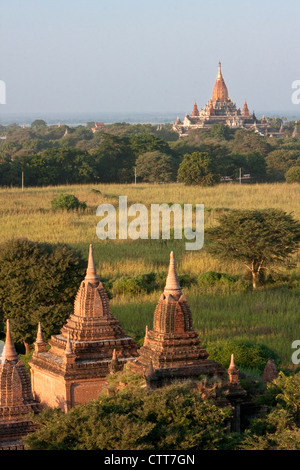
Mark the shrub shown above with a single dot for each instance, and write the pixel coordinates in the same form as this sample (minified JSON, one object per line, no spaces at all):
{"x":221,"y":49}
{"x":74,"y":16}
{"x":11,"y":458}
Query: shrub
{"x":134,"y":285}
{"x":174,"y":418}
{"x":146,"y":283}
{"x":293,"y":174}
{"x":67,"y":202}
{"x":212,"y":277}
{"x":247,"y":354}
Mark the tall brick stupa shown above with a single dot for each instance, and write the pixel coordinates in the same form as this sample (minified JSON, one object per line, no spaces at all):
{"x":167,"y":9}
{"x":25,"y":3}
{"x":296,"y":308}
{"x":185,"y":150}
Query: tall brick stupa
{"x":172,"y":349}
{"x":16,"y":400}
{"x":90,"y":344}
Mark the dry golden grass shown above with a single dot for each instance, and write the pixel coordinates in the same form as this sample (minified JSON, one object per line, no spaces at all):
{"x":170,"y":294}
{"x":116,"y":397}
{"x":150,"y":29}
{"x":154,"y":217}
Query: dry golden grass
{"x":28,"y":214}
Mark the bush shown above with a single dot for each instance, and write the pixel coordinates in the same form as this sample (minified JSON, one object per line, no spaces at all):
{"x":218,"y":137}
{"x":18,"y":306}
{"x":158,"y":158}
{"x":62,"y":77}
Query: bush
{"x":212,"y":277}
{"x":293,"y":174}
{"x":146,"y":283}
{"x":247,"y":354}
{"x":174,"y":418}
{"x":134,"y":285}
{"x":67,"y":202}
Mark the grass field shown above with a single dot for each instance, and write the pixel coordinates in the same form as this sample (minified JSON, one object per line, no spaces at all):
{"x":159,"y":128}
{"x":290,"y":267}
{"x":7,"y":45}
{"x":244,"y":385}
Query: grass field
{"x":269,"y":316}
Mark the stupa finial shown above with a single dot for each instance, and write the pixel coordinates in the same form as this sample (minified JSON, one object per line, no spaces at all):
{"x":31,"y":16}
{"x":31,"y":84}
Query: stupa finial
{"x":91,"y":274}
{"x":9,"y":350}
{"x":68,"y":350}
{"x":172,"y":283}
{"x":40,"y":336}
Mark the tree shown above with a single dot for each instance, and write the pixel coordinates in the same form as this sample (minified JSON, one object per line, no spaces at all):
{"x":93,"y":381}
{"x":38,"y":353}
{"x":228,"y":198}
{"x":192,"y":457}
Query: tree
{"x":293,"y":174}
{"x":199,"y":169}
{"x":259,"y":239}
{"x":155,"y":167}
{"x":38,"y":282}
{"x":38,"y":124}
{"x":173,"y":417}
{"x":145,"y":142}
{"x":114,"y":161}
{"x":280,"y":161}
{"x":280,"y":428}
{"x":248,"y":142}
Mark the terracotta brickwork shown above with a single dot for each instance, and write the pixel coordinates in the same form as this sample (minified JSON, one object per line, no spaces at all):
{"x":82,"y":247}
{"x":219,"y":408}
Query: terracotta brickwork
{"x":270,"y":372}
{"x":75,"y":367}
{"x":16,"y":399}
{"x":172,"y":349}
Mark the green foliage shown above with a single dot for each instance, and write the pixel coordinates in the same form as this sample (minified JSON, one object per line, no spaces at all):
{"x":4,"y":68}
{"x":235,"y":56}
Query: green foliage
{"x":280,"y":428}
{"x":173,"y":418}
{"x":247,"y":354}
{"x":38,"y":282}
{"x":146,"y":283}
{"x":67,"y":202}
{"x":134,"y":285}
{"x":293,"y":174}
{"x":38,"y":123}
{"x":279,"y":161}
{"x":258,"y":239}
{"x":49,"y":156}
{"x":212,"y":277}
{"x":199,"y":169}
{"x":155,"y":167}
{"x":245,"y":142}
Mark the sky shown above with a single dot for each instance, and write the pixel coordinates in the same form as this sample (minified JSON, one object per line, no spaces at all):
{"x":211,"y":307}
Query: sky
{"x":147,"y":56}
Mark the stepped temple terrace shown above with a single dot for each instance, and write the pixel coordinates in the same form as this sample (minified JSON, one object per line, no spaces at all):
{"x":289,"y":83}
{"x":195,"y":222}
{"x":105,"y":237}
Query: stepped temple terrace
{"x":92,"y":346}
{"x":75,"y":367}
{"x":220,"y":109}
{"x":16,"y":399}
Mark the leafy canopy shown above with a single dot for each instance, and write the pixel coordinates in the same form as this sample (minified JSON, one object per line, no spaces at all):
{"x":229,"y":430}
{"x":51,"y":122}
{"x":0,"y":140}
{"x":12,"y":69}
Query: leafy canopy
{"x":258,"y":239}
{"x":173,"y":417}
{"x":38,"y":282}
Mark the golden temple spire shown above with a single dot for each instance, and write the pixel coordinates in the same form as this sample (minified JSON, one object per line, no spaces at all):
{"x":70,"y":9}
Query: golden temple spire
{"x":220,"y":91}
{"x":91,"y":275}
{"x":172,"y":283}
{"x":219,"y":70}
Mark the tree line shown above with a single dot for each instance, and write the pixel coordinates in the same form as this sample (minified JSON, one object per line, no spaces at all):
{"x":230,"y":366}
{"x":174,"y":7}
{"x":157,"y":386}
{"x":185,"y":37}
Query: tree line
{"x":123,"y":153}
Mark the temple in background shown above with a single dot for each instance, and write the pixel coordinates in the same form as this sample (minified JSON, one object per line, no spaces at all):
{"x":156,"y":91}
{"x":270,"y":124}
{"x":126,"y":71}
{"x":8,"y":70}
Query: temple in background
{"x":220,"y":109}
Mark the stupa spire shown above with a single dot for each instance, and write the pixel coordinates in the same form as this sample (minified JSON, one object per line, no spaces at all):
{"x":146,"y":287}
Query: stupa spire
{"x":40,"y":343}
{"x":91,"y":274}
{"x":195,"y":111}
{"x":39,"y":336}
{"x":172,"y":283}
{"x":219,"y":70}
{"x":9,"y":350}
{"x":220,"y":91}
{"x":68,"y":349}
{"x":233,"y":371}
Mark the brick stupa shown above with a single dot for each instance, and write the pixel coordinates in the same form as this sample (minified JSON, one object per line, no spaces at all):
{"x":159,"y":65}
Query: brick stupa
{"x":75,"y":367}
{"x":172,"y":348}
{"x":16,"y":400}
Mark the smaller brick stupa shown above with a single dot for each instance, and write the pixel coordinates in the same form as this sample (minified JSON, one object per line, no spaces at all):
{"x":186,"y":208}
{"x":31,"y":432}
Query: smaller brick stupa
{"x":90,"y":345}
{"x":172,"y":348}
{"x":16,"y":400}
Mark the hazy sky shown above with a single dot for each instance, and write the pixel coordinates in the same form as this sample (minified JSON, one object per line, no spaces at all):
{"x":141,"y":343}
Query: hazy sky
{"x":147,"y":55}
